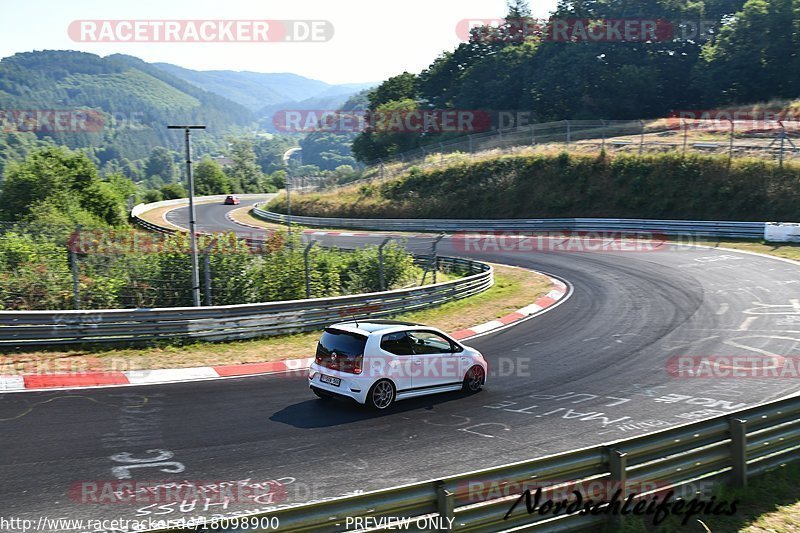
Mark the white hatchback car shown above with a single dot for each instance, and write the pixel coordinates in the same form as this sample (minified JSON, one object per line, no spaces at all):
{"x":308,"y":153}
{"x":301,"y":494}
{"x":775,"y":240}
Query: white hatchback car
{"x":376,"y":362}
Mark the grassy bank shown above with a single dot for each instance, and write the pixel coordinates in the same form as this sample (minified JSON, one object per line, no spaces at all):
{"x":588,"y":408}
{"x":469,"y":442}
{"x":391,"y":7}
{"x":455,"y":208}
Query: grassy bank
{"x":514,"y":288}
{"x":771,"y":503}
{"x":571,"y":185}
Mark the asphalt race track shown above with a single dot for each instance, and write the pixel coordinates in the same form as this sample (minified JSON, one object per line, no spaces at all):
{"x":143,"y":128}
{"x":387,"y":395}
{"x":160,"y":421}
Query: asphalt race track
{"x":592,"y":370}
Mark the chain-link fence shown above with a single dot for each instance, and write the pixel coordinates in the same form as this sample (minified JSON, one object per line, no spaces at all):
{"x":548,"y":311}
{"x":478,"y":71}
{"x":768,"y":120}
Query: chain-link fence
{"x":102,"y":268}
{"x":771,"y":138}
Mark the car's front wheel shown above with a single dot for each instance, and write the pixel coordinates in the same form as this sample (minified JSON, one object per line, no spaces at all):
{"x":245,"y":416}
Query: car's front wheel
{"x":474,"y":379}
{"x":381,"y":395}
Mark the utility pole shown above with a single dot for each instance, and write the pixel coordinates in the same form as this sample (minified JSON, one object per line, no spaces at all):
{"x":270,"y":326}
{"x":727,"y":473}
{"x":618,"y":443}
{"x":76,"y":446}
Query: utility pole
{"x":192,"y":221}
{"x":288,"y":210}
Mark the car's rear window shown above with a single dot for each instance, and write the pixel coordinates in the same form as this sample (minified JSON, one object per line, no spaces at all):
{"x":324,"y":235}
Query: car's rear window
{"x":348,"y":349}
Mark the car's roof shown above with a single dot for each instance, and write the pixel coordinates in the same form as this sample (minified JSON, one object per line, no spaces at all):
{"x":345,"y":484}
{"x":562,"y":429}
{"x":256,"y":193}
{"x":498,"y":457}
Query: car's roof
{"x":371,"y":326}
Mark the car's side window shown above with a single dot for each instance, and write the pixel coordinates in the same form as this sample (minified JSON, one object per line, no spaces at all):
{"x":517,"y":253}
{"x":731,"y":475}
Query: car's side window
{"x":397,"y":343}
{"x":428,"y":342}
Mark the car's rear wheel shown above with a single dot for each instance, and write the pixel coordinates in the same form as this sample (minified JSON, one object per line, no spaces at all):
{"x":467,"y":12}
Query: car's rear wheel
{"x":381,"y":395}
{"x":474,"y":379}
{"x":322,"y":395}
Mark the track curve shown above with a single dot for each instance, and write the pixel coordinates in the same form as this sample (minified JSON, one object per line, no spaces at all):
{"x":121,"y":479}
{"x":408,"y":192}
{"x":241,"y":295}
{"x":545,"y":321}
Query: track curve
{"x":590,"y":371}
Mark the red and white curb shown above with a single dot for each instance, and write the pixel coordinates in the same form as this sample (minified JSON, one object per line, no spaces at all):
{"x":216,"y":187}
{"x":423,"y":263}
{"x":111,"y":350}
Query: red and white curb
{"x":555,"y":296}
{"x":28,"y":382}
{"x":147,"y":377}
{"x":245,"y":224}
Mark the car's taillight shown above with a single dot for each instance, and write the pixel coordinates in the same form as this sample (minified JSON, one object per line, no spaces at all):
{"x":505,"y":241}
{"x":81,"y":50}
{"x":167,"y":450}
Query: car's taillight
{"x":357,"y":366}
{"x":318,"y":359}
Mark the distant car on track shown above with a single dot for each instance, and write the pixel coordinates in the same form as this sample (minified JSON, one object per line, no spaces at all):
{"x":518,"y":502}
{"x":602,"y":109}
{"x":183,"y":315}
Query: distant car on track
{"x":376,"y":362}
{"x":232,"y":200}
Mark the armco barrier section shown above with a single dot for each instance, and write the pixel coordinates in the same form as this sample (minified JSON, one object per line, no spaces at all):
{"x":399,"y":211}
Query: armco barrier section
{"x":230,"y":322}
{"x":750,"y":230}
{"x":727,"y":448}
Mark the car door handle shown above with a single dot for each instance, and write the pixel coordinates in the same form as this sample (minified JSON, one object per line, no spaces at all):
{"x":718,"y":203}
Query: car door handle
{"x":417,"y":362}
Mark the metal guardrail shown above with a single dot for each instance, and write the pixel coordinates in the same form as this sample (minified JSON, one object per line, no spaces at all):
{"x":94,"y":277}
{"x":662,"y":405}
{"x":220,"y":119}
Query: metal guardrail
{"x":230,"y":322}
{"x":660,"y":227}
{"x":727,"y":448}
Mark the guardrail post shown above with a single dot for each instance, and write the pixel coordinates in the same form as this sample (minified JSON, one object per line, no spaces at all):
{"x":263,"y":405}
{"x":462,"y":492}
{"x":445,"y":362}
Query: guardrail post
{"x":381,"y":271}
{"x":603,"y":129}
{"x":207,"y":275}
{"x":207,"y":271}
{"x":738,"y":429}
{"x":618,"y":468}
{"x":730,"y":147}
{"x":445,"y":503}
{"x":685,"y":134}
{"x":76,"y":292}
{"x":305,"y":263}
{"x":288,"y":211}
{"x":434,"y":256}
{"x":641,"y":138}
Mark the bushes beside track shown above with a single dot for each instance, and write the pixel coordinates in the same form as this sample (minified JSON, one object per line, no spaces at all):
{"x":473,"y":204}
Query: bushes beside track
{"x":670,"y":186}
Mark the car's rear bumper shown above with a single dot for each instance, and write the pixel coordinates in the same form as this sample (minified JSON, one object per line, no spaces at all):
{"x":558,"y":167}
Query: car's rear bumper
{"x":333,"y":394}
{"x":353,"y":387}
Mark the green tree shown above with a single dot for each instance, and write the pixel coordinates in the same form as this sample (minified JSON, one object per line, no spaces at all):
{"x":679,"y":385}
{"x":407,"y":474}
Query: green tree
{"x":244,"y":174}
{"x":152,"y":195}
{"x":401,"y":87}
{"x":278,"y":178}
{"x":172,"y":191}
{"x":269,"y":151}
{"x":161,"y":164}
{"x":59,"y":172}
{"x":209,"y":178}
{"x":755,"y":56}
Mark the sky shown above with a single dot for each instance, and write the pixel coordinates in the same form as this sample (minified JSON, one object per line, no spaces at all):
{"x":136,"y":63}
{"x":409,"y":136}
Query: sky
{"x":372,"y":40}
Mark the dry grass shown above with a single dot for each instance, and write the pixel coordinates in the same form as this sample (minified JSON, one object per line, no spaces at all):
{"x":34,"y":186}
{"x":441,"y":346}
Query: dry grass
{"x":514,"y":288}
{"x":787,"y":251}
{"x":244,"y":215}
{"x":768,"y":505}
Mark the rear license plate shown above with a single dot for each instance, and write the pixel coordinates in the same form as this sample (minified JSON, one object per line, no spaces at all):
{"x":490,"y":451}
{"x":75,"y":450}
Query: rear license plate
{"x":330,"y":380}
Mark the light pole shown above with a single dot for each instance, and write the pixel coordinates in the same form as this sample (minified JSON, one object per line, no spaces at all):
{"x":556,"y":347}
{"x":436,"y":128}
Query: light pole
{"x":288,"y":210}
{"x":192,"y":222}
{"x":286,"y":156}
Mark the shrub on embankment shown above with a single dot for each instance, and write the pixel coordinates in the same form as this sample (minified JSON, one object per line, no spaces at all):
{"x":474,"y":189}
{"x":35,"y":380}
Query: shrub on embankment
{"x":670,"y":186}
{"x":129,"y":268}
